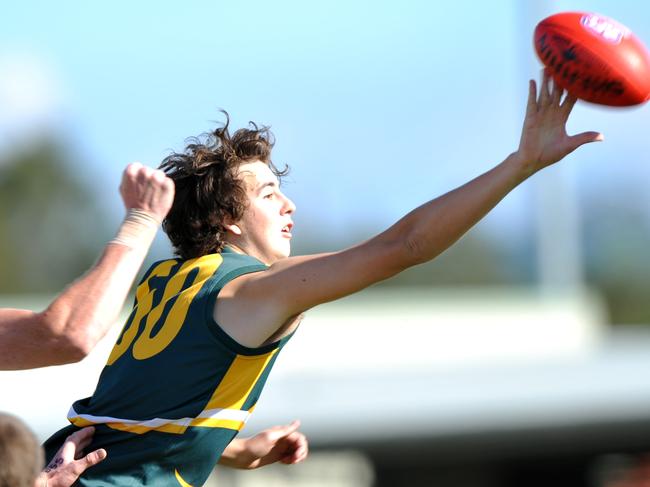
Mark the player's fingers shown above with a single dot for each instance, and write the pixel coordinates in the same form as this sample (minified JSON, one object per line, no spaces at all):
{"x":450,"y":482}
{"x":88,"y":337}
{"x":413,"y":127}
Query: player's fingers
{"x":301,"y":453}
{"x":131,"y":172}
{"x":301,"y":446}
{"x":84,"y":434}
{"x":289,"y":460}
{"x":89,"y":460}
{"x":157,"y":184}
{"x":71,"y":443}
{"x":144,"y":175}
{"x":297,"y":448}
{"x":68,"y":450}
{"x":568,"y":104}
{"x":278,"y":432}
{"x":296,"y":438}
{"x":544,"y":94}
{"x":81,"y":445}
{"x":531,"y":105}
{"x":77,"y":441}
{"x":132,"y":169}
{"x":164,"y":185}
{"x":295,"y":456}
{"x":584,"y":138}
{"x":129,"y":177}
{"x":158,"y":176}
{"x":93,"y":458}
{"x":169,"y":185}
{"x":556,"y":94}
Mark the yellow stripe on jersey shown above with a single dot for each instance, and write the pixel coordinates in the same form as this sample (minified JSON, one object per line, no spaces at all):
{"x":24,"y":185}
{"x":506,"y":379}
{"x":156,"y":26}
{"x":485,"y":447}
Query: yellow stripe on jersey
{"x":239,"y":381}
{"x":218,"y":423}
{"x":214,"y":418}
{"x":140,"y":430}
{"x":180,"y":479}
{"x":223,"y":410}
{"x":81,"y":422}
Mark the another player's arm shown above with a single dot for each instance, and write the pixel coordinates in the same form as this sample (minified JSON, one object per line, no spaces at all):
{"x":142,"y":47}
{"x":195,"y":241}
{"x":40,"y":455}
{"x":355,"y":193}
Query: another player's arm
{"x":296,"y":284}
{"x":80,"y":316}
{"x":284,"y":444}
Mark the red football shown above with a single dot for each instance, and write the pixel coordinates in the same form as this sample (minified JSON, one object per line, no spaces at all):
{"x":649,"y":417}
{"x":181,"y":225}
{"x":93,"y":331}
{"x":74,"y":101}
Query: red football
{"x":594,"y":58}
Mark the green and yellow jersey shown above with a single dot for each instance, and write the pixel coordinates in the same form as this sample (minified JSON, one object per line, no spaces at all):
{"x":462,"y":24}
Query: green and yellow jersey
{"x":176,"y":388}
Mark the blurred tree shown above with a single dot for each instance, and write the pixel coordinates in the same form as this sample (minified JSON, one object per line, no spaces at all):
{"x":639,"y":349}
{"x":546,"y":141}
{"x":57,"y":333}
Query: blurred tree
{"x":51,"y":225}
{"x":617,"y":238}
{"x":476,"y":259}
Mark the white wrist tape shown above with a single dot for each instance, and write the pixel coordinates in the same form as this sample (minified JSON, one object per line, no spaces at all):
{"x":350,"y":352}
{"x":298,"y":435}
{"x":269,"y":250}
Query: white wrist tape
{"x":137,"y":230}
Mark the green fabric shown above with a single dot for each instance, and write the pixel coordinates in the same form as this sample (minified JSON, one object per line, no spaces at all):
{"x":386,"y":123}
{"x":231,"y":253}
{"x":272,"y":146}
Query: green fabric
{"x":175,"y":383}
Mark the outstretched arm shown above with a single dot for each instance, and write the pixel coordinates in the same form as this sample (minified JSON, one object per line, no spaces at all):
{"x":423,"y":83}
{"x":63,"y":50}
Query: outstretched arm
{"x":435,"y":226}
{"x":80,"y":316}
{"x":296,"y":284}
{"x":284,"y":444}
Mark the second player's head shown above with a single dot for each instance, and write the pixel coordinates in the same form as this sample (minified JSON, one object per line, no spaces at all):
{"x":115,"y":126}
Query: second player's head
{"x":21,"y":455}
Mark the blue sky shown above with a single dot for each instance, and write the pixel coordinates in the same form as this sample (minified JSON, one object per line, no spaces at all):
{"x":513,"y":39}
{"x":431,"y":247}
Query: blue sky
{"x":376,"y":106}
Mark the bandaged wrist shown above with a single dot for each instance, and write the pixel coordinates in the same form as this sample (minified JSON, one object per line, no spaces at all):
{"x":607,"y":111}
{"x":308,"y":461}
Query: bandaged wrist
{"x":137,"y":230}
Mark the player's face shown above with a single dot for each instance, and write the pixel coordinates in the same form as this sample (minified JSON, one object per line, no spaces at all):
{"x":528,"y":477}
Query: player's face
{"x":266,"y":224}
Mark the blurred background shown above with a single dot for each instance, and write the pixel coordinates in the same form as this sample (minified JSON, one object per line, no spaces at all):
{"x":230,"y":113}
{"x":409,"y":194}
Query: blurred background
{"x":521,"y":356}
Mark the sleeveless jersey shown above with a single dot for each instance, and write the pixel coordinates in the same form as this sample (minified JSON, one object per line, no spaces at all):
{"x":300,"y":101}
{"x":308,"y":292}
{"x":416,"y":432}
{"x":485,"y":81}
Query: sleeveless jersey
{"x":176,"y":388}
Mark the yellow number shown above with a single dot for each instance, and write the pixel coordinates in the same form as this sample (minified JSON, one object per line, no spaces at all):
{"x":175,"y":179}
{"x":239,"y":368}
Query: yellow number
{"x":145,"y":345}
{"x":144,"y":297}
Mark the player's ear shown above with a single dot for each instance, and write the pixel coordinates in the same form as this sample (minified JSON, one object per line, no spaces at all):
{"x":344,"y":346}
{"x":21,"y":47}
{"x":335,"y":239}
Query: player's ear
{"x":233,"y":228}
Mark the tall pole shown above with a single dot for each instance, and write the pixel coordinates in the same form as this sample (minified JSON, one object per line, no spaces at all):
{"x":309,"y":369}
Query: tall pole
{"x":558,"y":223}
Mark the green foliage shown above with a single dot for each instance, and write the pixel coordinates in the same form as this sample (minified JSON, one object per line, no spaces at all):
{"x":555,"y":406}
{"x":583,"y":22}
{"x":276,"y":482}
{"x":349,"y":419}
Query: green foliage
{"x":49,"y":221}
{"x":475,"y":260}
{"x":615,"y":236}
{"x":616,"y":243}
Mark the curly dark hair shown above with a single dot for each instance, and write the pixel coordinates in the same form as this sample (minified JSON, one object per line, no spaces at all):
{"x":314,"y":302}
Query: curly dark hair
{"x":208,"y":189}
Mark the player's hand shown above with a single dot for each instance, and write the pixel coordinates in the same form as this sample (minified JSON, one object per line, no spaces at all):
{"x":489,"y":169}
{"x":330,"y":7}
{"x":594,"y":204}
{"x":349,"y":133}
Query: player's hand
{"x":69,"y":462}
{"x":284,"y":444}
{"x":544,"y":139}
{"x":147,"y":189}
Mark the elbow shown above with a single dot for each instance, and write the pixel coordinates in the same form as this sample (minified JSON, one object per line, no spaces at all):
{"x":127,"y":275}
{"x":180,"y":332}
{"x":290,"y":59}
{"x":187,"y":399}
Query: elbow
{"x":77,"y":348}
{"x":414,"y":251}
{"x":402,"y":249}
{"x":68,"y":342}
{"x":71,"y":348}
{"x":77,"y":343}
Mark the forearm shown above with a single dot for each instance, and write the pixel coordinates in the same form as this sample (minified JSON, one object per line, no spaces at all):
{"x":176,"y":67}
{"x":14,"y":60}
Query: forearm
{"x":81,"y":315}
{"x":235,"y":455}
{"x":86,"y":309}
{"x":431,"y":228}
{"x":76,"y":320}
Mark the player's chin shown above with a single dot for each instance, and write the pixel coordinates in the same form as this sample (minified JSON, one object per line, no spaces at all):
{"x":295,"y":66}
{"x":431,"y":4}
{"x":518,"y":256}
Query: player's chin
{"x":283,"y":251}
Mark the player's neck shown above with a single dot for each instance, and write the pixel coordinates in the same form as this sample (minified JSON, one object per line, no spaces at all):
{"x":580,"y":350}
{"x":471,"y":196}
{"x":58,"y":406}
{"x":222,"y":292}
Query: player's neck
{"x":235,"y":248}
